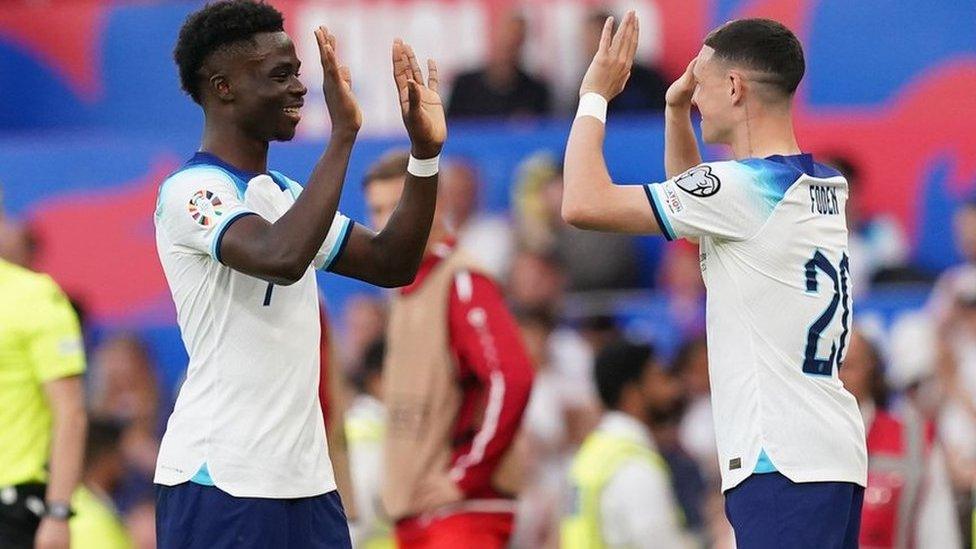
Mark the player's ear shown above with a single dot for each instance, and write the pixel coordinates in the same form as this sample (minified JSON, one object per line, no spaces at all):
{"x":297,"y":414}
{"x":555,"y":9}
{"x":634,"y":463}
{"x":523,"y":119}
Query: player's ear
{"x":736,"y":86}
{"x":221,"y":87}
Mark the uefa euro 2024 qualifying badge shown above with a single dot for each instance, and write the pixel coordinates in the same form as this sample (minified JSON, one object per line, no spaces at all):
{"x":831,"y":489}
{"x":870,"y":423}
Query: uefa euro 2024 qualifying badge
{"x":205,"y":207}
{"x":699,"y":181}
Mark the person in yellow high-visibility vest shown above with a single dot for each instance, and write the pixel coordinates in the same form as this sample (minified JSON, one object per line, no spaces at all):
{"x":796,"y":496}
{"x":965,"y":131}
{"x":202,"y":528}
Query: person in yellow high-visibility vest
{"x":621,"y":492}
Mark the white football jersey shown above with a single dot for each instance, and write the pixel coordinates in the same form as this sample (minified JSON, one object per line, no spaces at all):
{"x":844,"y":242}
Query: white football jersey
{"x":249,"y":408}
{"x":773,"y":250}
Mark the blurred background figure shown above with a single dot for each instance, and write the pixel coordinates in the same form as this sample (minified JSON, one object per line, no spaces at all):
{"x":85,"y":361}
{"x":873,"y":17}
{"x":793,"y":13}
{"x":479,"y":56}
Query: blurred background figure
{"x":620,"y":493}
{"x":18,"y":244}
{"x":560,"y":413}
{"x":591,"y":260}
{"x":456,"y":382}
{"x":697,"y":431}
{"x":908,"y":501}
{"x":646,"y":87}
{"x":944,"y":300}
{"x":501,"y":88}
{"x":485,"y":235}
{"x":42,"y":409}
{"x":365,"y":430}
{"x":364,"y":321}
{"x":680,"y":283}
{"x":878,"y":246}
{"x":97,"y":524}
{"x":123,"y":387}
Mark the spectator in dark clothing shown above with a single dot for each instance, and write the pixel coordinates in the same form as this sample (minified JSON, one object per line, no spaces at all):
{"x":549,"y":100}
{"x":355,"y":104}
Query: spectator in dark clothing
{"x":501,"y":88}
{"x":646,"y":87}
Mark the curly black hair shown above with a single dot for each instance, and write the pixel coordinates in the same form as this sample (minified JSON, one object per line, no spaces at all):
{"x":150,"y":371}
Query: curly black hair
{"x":217,"y":25}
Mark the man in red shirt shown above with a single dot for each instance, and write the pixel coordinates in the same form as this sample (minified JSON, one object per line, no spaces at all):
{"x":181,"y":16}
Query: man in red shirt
{"x":457,"y":379}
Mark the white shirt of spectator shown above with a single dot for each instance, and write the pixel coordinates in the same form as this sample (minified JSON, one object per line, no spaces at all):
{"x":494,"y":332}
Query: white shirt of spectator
{"x":249,"y":407}
{"x":637,"y":507}
{"x":773,"y":251}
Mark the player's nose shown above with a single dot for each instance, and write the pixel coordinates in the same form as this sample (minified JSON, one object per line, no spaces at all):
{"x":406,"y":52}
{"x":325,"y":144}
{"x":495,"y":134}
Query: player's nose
{"x":298,"y":88}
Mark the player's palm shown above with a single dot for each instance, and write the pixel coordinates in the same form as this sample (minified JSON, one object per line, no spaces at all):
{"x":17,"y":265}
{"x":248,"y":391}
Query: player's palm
{"x":610,"y":69}
{"x":337,"y":85}
{"x":420,"y":103}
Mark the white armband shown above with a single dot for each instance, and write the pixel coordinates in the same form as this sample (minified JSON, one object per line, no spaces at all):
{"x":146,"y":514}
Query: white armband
{"x":423,"y":168}
{"x":593,"y":104}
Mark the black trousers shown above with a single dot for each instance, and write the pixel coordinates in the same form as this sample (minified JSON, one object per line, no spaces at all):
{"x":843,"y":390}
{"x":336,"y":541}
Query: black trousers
{"x":18,"y":523}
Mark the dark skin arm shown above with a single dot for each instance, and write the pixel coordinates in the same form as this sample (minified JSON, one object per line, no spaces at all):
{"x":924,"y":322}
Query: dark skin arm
{"x":281,"y":252}
{"x":391,"y":257}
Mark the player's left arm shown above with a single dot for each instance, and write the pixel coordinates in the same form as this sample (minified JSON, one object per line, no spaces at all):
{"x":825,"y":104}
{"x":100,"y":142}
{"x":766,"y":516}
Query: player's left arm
{"x":590,"y":199}
{"x":392,"y":256}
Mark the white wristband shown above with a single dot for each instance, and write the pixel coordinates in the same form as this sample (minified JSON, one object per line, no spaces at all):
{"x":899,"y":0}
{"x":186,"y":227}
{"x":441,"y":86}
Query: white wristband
{"x":593,"y":104}
{"x":423,"y":168}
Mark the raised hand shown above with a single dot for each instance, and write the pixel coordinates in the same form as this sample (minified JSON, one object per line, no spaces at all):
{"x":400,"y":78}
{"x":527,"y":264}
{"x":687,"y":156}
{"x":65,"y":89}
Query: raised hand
{"x":337,"y":85}
{"x":681,"y":90}
{"x":420,"y":104}
{"x":610,"y":68}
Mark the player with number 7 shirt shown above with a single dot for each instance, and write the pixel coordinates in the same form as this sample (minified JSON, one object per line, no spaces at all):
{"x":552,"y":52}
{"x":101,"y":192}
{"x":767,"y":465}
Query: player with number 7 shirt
{"x":772,"y":234}
{"x":244,"y":461}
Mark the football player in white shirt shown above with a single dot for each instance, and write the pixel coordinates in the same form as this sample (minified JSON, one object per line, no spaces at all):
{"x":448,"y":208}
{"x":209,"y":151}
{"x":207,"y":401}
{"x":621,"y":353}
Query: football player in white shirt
{"x":244,"y":461}
{"x":773,"y":245}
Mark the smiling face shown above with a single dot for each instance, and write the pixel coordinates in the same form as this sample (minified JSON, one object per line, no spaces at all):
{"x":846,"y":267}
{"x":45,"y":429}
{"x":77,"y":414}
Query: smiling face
{"x":260,"y":83}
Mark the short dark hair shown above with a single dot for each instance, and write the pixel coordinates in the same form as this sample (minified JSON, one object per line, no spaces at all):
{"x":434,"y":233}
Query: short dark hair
{"x":762,"y":45}
{"x":217,"y":25}
{"x":391,"y":164}
{"x":617,"y":365}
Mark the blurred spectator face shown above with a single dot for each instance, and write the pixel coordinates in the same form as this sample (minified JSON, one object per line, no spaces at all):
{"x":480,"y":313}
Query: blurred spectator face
{"x":458,"y":192}
{"x":509,"y":38}
{"x":712,"y":98}
{"x":125,"y":384}
{"x":965,"y":231}
{"x":16,"y":243}
{"x":661,"y":391}
{"x":382,"y":197}
{"x":535,"y":282}
{"x":592,"y":30}
{"x":364,"y":320}
{"x":858,"y":369}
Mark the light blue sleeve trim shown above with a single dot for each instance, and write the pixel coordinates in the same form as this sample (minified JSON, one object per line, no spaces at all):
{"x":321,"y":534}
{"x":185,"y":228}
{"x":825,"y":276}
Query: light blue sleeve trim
{"x":339,"y":245}
{"x":659,"y":213}
{"x":764,"y":465}
{"x":202,"y":170}
{"x":219,"y":232}
{"x":293,"y":186}
{"x":203,"y":477}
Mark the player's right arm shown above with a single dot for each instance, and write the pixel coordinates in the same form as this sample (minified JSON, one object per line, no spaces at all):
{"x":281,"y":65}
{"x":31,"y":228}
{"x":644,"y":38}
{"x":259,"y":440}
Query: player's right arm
{"x":590,"y":198}
{"x":680,"y":147}
{"x":281,"y":252}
